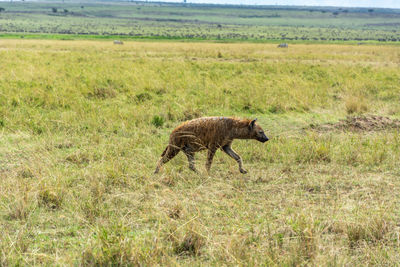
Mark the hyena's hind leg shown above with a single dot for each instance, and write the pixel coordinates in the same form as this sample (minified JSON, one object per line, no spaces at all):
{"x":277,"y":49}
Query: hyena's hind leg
{"x":169,"y":152}
{"x":190,"y":156}
{"x":210,"y":156}
{"x":228,"y":150}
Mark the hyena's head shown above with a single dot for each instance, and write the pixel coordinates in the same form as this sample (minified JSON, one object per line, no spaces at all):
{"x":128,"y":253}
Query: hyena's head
{"x":256,"y":132}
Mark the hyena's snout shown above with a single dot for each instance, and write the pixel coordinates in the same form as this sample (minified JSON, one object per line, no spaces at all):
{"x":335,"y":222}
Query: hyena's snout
{"x":263,"y":138}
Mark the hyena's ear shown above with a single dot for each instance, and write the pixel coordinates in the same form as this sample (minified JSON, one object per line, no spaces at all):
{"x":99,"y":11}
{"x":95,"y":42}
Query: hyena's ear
{"x":251,"y":125}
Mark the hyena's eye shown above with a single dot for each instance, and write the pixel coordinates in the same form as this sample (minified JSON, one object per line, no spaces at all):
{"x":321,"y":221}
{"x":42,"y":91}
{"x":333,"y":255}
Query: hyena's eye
{"x":260,"y":132}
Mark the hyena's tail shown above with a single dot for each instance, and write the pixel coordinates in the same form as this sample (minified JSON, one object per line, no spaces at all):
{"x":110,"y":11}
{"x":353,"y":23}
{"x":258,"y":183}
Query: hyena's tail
{"x":165,"y":151}
{"x":168,"y":153}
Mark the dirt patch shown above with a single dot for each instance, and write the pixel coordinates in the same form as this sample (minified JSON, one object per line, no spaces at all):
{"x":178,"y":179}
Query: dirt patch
{"x":361,"y":123}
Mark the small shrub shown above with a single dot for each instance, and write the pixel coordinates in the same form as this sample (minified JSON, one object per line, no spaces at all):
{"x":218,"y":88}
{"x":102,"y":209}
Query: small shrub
{"x":157,"y":121}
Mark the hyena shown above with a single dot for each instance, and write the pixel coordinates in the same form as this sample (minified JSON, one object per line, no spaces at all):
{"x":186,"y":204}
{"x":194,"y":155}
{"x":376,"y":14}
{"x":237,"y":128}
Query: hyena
{"x":210,"y":133}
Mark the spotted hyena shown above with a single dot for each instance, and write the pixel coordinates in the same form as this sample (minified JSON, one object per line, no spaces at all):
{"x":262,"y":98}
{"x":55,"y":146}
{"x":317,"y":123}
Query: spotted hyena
{"x":210,"y":133}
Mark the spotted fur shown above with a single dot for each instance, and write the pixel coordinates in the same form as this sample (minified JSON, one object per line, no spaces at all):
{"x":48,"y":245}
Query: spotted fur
{"x":211,"y":133}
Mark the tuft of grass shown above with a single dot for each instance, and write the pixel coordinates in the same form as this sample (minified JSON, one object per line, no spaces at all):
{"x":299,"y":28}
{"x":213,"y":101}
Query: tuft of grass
{"x":109,"y":248}
{"x":78,"y":158}
{"x":50,"y":199}
{"x":20,"y":209}
{"x":157,"y":121}
{"x":373,"y":230}
{"x":355,"y":105}
{"x":175,"y":212}
{"x":191,"y":244}
{"x":191,"y":113}
{"x":142,"y":97}
{"x":103,"y":93}
{"x":305,"y":247}
{"x":26,"y":173}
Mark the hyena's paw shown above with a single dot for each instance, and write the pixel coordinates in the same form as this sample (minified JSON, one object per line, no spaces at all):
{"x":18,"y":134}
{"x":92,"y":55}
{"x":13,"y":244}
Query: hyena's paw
{"x":243,"y":171}
{"x":192,"y":168}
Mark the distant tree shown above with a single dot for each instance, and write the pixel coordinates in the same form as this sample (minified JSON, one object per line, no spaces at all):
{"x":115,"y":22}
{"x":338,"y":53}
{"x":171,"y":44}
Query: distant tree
{"x":82,"y":7}
{"x":2,"y":9}
{"x":370,"y":10}
{"x":65,"y":10}
{"x":54,"y":10}
{"x":335,"y":13}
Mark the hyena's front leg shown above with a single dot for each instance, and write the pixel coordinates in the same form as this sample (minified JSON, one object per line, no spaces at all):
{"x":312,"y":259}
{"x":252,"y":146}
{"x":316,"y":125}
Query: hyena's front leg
{"x":228,"y":150}
{"x":210,"y":156}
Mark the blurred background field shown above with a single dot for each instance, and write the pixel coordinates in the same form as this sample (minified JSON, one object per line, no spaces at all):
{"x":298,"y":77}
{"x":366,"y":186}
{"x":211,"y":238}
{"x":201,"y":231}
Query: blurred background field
{"x":141,"y":20}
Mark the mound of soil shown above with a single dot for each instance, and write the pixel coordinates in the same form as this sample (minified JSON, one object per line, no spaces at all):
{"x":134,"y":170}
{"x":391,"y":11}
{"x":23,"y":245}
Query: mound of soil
{"x":361,"y":123}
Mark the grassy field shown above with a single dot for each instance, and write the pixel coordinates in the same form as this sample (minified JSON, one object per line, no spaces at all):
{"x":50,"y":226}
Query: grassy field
{"x":200,"y":22}
{"x":82,"y":124}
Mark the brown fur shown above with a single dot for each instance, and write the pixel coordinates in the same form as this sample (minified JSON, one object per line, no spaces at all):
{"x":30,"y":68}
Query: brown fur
{"x":210,"y":133}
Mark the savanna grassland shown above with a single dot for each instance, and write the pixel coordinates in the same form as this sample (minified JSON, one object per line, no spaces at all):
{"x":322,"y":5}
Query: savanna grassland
{"x":82,"y":124}
{"x":141,"y":20}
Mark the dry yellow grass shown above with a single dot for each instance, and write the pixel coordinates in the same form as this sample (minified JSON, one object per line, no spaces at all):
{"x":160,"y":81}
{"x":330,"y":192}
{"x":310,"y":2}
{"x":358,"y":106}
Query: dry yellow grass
{"x":82,"y":124}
